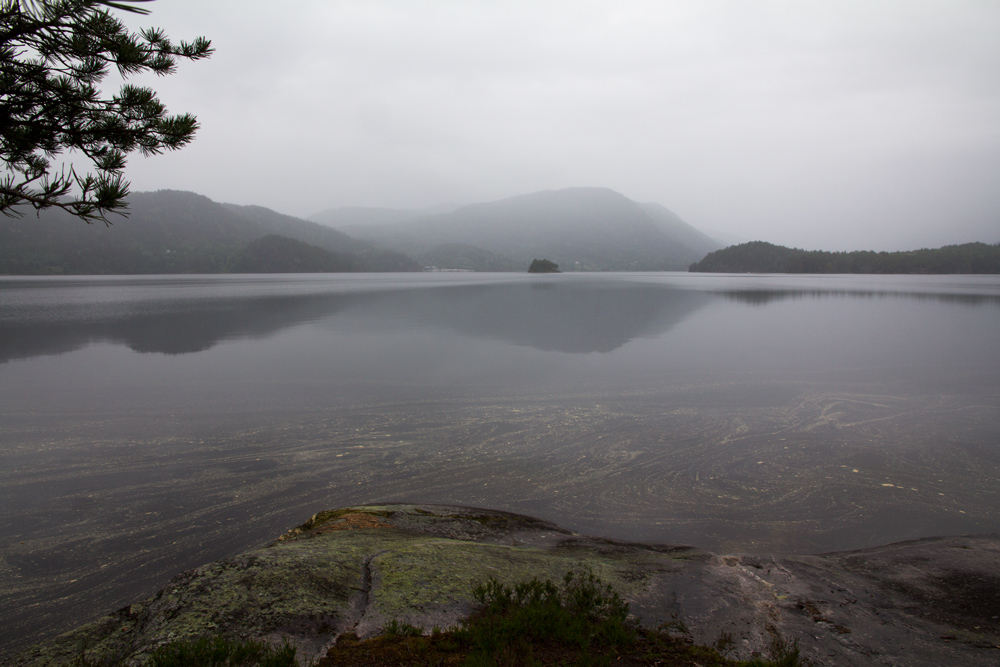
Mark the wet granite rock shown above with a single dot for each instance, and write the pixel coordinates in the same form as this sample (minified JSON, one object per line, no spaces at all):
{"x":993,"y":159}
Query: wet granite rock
{"x":928,"y":602}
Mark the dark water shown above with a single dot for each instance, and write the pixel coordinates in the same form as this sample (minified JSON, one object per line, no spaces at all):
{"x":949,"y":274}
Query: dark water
{"x":148,"y":425}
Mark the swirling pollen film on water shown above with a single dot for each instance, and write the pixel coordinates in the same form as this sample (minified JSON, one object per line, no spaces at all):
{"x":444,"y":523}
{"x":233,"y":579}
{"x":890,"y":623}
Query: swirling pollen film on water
{"x":148,"y":425}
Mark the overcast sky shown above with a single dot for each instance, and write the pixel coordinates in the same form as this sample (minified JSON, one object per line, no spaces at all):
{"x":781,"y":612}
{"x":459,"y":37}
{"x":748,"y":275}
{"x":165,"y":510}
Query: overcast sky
{"x":834,"y":125}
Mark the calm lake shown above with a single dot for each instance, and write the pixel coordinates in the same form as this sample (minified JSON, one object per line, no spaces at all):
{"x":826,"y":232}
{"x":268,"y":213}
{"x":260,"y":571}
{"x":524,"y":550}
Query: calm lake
{"x":152,"y":424}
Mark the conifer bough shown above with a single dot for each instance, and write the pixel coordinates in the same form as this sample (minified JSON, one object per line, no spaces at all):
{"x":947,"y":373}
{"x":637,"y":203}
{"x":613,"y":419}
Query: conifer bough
{"x":54,"y":54}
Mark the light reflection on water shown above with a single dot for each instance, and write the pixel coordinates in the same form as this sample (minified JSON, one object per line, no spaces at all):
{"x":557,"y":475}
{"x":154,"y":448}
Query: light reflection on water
{"x":152,"y":424}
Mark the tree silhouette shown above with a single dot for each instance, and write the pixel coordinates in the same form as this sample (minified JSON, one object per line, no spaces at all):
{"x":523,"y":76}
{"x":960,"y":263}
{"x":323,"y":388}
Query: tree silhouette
{"x":54,"y":54}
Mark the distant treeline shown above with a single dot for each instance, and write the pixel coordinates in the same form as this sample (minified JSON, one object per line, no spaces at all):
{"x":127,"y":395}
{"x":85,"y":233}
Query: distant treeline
{"x":763,"y":257}
{"x":178,"y":232}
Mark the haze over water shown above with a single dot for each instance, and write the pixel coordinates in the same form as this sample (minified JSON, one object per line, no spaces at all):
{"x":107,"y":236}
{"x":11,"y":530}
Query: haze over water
{"x":149,"y":425}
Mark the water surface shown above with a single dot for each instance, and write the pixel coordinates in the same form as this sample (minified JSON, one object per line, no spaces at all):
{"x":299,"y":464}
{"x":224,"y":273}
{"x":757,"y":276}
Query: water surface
{"x":148,"y":425}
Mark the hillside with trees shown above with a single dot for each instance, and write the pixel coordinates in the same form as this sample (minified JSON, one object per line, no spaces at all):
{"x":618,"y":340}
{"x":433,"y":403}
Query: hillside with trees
{"x":468,"y":257}
{"x":280,"y":254}
{"x":763,"y":257}
{"x":177,"y":232}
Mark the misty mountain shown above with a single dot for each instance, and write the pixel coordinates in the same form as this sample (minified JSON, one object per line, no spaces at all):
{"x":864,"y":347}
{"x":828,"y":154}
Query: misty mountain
{"x":676,"y":229}
{"x":363,"y":215}
{"x":171,"y":232}
{"x":763,"y":257}
{"x":578,"y":228}
{"x":293,"y":228}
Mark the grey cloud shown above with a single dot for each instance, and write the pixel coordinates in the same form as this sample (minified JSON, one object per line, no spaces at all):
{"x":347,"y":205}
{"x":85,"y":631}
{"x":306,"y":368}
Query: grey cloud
{"x":835,"y":125}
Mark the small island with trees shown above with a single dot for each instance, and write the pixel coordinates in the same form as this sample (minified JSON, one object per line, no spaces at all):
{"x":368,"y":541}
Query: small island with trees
{"x":543,"y":266}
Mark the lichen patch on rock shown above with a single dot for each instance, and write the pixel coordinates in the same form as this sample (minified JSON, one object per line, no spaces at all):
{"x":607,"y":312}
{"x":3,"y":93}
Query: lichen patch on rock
{"x":352,"y":521}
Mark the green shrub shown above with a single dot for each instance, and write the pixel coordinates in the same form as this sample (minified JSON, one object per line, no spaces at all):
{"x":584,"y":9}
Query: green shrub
{"x":580,"y":613}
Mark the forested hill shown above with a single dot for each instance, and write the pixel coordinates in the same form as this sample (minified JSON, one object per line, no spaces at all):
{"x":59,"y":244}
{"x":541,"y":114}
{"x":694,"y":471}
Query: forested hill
{"x":182,"y":232}
{"x":762,"y":257}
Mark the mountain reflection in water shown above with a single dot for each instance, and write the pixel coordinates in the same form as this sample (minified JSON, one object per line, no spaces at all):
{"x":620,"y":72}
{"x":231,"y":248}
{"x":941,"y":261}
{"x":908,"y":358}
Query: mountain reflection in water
{"x":562,"y":318}
{"x":568,"y":317}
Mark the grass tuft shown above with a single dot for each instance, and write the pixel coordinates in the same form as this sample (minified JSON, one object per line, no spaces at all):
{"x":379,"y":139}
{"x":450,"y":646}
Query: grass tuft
{"x":396,"y":629}
{"x":783,"y":654}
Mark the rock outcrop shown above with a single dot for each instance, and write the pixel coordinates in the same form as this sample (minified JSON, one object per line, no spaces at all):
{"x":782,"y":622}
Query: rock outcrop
{"x":927,"y":602}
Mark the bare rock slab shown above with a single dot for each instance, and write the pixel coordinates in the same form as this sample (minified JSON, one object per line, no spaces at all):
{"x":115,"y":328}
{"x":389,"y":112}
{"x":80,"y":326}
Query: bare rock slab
{"x":927,"y":602}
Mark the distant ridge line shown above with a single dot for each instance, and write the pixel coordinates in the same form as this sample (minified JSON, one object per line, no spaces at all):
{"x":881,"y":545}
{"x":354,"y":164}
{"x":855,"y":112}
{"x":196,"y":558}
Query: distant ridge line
{"x":764,"y":257}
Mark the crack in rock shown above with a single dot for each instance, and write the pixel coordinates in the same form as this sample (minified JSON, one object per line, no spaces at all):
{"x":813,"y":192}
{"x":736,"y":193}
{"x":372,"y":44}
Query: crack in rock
{"x":360,"y":615}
